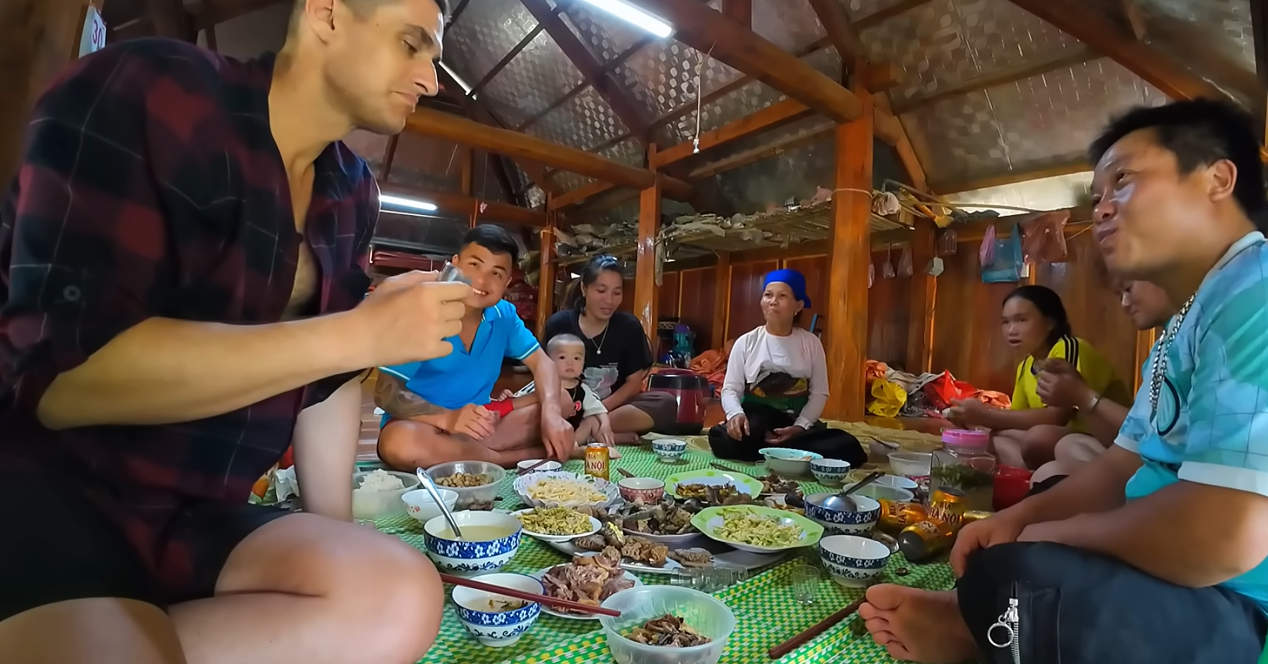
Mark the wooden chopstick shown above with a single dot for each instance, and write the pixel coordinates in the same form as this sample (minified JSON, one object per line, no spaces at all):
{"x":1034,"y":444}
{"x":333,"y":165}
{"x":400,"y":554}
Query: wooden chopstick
{"x":528,"y":597}
{"x":729,"y":470}
{"x":805,"y":636}
{"x":625,"y":472}
{"x":535,"y":466}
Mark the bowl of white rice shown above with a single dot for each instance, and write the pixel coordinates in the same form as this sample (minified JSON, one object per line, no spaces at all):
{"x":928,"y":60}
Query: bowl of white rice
{"x":376,"y":494}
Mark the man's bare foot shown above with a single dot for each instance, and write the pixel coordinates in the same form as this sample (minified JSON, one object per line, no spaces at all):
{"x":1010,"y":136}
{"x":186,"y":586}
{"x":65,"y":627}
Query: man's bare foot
{"x":626,"y":438}
{"x":918,"y":625}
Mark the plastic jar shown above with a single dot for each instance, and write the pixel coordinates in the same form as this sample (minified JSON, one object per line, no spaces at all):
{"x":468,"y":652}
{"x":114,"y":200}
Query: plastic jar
{"x":967,"y":440}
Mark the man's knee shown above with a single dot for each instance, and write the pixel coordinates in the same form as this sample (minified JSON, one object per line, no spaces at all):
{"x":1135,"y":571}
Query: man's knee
{"x":401,"y":598}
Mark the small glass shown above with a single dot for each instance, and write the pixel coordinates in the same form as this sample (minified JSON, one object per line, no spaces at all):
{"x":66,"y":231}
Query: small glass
{"x":709,"y":579}
{"x":805,"y":583}
{"x":451,"y":273}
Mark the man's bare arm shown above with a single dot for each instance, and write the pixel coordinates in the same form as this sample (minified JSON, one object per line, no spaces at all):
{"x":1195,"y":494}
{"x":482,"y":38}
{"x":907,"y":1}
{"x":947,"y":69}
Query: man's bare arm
{"x":391,"y":394}
{"x":325,"y":442}
{"x":163,"y":371}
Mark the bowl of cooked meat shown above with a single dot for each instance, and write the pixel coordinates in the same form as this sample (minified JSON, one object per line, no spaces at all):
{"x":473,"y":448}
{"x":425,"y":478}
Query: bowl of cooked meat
{"x":667,"y":625}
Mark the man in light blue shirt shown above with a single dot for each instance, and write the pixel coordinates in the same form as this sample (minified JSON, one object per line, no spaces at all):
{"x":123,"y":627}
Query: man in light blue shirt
{"x":441,"y":410}
{"x":1155,"y":551}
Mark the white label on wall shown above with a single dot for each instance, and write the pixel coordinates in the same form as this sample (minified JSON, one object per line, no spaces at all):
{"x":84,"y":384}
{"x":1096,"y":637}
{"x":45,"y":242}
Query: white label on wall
{"x":93,"y":38}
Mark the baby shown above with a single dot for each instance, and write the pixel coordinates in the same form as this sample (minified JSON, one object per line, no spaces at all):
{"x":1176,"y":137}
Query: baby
{"x":591,"y":418}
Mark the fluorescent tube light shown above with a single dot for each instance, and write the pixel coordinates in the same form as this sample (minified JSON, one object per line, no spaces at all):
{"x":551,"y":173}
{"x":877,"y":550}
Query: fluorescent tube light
{"x":636,"y":15}
{"x":399,"y":201}
{"x":466,"y":87}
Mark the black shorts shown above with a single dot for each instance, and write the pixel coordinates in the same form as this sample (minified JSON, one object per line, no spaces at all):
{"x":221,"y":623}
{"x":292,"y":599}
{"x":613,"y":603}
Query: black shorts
{"x":61,"y":545}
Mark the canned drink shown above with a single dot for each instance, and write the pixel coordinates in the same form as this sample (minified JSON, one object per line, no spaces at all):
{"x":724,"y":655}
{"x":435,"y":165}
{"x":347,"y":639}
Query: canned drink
{"x":597,"y":460}
{"x":896,"y":515}
{"x":975,"y":515}
{"x":924,"y":540}
{"x":947,"y":506}
{"x":451,"y":273}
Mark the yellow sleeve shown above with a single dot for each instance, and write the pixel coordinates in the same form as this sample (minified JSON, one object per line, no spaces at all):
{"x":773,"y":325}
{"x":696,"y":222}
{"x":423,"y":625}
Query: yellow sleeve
{"x":1090,"y":363}
{"x":1020,"y":400}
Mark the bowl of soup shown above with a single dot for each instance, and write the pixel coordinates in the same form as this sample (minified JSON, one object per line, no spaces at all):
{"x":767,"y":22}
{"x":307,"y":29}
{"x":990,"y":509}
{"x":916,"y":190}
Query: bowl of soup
{"x":489,"y":541}
{"x":496,"y":620}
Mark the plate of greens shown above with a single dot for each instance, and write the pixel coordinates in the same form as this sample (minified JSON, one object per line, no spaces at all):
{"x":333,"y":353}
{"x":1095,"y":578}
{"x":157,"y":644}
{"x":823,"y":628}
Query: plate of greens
{"x":757,"y":529}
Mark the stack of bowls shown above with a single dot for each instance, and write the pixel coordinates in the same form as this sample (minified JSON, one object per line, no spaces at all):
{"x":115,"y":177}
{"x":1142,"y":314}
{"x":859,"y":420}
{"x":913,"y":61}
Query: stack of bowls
{"x":830,"y":472}
{"x":840,"y":522}
{"x":853,"y":561}
{"x":497,"y":629}
{"x":670,"y":450}
{"x":472,"y":554}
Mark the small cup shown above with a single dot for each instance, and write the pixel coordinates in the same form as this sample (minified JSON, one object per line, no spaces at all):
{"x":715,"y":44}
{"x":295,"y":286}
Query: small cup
{"x":805,"y":583}
{"x":451,"y":273}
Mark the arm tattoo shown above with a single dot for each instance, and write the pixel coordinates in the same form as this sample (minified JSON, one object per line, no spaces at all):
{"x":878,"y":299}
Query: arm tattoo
{"x":392,"y":396}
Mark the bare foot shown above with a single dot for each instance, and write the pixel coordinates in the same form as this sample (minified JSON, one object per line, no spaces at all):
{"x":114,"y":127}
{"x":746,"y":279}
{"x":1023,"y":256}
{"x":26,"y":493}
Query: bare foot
{"x":626,"y":438}
{"x":918,"y":625}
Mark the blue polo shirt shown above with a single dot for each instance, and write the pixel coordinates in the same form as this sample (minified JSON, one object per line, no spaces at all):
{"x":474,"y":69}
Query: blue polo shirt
{"x":466,"y":377}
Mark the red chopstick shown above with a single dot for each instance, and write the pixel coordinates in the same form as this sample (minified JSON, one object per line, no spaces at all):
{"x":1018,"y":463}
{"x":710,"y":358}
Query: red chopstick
{"x":529,"y":597}
{"x":823,"y":626}
{"x":535,"y":466}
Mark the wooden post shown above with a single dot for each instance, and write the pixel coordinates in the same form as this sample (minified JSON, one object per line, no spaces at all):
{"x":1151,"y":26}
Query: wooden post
{"x":645,"y":268}
{"x":846,"y":337}
{"x":721,"y":300}
{"x":924,"y":293}
{"x":546,"y":275}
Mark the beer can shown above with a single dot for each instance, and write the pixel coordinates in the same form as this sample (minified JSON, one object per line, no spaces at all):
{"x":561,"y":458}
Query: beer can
{"x":947,"y":506}
{"x":924,"y":540}
{"x":597,"y":460}
{"x":975,"y":515}
{"x":896,"y":515}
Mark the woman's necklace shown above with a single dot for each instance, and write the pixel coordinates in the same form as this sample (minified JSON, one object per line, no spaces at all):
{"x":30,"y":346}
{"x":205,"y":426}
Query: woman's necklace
{"x":1158,"y":372}
{"x":598,"y":346}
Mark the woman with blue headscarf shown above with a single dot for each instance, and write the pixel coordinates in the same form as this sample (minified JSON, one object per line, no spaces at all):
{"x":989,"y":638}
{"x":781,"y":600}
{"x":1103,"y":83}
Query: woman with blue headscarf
{"x":777,"y":376}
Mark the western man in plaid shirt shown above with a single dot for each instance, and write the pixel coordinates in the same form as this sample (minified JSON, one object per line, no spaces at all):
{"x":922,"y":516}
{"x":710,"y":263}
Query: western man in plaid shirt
{"x":182,"y":297}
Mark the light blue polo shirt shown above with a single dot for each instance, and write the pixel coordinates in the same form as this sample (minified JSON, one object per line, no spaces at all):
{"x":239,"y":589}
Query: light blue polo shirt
{"x":1212,"y":421}
{"x":466,"y":377}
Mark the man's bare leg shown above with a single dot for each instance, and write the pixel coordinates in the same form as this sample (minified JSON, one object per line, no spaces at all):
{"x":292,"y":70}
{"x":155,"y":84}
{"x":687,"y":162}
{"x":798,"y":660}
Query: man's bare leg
{"x":1008,"y":448}
{"x":304,"y":588}
{"x":1039,"y":444}
{"x":1073,"y":452}
{"x":629,"y":424}
{"x":407,"y":445}
{"x":91,"y":631}
{"x":918,"y":625}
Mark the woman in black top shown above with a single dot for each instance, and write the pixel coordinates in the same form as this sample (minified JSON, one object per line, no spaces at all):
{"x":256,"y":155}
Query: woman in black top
{"x":618,"y":355}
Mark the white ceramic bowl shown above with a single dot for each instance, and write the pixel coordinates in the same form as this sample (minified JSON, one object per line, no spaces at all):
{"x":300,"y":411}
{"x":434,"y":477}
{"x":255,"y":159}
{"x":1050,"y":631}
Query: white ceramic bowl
{"x":497,"y":629}
{"x":544,"y":468}
{"x":419,"y":503}
{"x":841,"y":522}
{"x":669,"y":450}
{"x":912,"y":465}
{"x":595,"y":525}
{"x":380,"y":504}
{"x":703,"y":613}
{"x":882,"y":492}
{"x":897,"y":482}
{"x":468,"y":496}
{"x":853,"y":562}
{"x":785,"y":461}
{"x":645,"y":490}
{"x":472,"y":557}
{"x":831,"y":472}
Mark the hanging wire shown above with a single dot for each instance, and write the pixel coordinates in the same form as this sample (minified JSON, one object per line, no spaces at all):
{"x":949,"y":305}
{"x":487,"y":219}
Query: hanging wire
{"x":695,"y":141}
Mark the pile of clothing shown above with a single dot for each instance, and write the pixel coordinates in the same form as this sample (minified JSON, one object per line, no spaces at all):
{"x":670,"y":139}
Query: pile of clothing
{"x":895,"y":393}
{"x":712,"y":365}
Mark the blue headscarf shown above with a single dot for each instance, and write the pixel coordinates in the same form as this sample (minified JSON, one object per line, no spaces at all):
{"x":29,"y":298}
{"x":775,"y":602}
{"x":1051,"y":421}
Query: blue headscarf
{"x":793,"y":280}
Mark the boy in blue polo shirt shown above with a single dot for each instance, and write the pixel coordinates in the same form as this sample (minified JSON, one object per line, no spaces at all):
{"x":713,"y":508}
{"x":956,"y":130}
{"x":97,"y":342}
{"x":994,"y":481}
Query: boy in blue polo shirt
{"x":440,"y":410}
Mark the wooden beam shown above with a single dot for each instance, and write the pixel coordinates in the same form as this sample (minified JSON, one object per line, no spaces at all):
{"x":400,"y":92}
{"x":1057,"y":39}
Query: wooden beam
{"x":1003,"y":76}
{"x":514,"y":144}
{"x":506,"y":59}
{"x":466,"y":206}
{"x":732,"y":44}
{"x":845,"y":341}
{"x":832,"y":15}
{"x":902,"y":145}
{"x":171,"y":20}
{"x":740,"y":11}
{"x":775,"y":115}
{"x":1078,"y":165}
{"x":645,"y":268}
{"x":1135,"y":21}
{"x":924,"y":294}
{"x":878,"y":17}
{"x":721,"y":300}
{"x":771,"y":149}
{"x":546,"y":274}
{"x":1143,"y":60}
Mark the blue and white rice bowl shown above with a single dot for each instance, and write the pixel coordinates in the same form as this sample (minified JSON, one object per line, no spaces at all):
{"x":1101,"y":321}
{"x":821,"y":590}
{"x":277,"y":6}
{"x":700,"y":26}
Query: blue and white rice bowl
{"x":669,"y":449}
{"x":497,"y":629}
{"x":461,"y":557}
{"x":853,"y":561}
{"x":831,"y":472}
{"x":842,"y":522}
{"x":882,"y":492}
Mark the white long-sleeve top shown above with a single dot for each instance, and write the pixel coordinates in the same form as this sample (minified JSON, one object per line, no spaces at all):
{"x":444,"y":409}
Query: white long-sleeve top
{"x":759,"y":352}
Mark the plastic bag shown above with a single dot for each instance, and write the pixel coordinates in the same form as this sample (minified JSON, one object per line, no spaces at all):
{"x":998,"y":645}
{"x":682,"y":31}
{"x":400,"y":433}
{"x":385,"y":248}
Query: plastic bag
{"x":1044,"y":237}
{"x":905,"y":268}
{"x":887,"y":398}
{"x":871,"y":273}
{"x":887,"y":270}
{"x":948,"y":242}
{"x":1008,"y":265}
{"x":986,"y":253}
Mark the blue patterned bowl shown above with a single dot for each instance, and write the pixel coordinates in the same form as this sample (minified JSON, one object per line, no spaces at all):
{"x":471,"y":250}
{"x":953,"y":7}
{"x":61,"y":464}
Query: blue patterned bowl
{"x":472,"y":557}
{"x":497,"y":628}
{"x":831,"y":472}
{"x":867,"y":516}
{"x":669,"y":449}
{"x":853,"y":561}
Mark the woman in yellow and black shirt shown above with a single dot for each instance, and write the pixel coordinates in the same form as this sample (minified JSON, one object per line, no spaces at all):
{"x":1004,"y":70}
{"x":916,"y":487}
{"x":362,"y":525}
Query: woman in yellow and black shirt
{"x":1035,"y":325}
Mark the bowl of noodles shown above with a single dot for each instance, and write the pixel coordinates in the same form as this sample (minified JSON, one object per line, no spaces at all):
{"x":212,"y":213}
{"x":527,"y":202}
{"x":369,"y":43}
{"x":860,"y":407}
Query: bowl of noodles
{"x":563,"y":489}
{"x":757,"y":529}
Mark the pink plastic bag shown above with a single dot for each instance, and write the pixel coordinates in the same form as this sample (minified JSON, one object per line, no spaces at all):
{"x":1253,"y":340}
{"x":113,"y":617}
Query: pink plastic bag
{"x":987,"y":251}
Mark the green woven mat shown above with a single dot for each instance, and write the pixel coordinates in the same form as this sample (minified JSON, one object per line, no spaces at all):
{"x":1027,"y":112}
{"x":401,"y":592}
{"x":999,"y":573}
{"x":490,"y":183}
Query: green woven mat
{"x":764,"y":607}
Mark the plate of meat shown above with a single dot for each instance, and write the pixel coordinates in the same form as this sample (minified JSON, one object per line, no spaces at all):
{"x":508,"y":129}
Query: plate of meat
{"x":637,"y":554}
{"x":588,"y":579}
